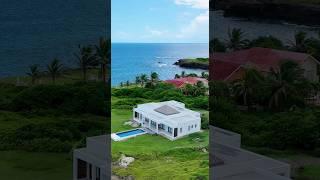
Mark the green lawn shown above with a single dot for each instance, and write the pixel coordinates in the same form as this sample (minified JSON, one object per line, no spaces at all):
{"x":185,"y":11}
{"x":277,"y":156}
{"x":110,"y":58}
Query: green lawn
{"x":18,"y":165}
{"x":21,"y":165}
{"x":156,"y":156}
{"x":310,"y":172}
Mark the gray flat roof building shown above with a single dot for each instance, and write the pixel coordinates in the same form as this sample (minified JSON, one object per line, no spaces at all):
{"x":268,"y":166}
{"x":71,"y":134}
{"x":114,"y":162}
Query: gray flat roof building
{"x":236,"y":163}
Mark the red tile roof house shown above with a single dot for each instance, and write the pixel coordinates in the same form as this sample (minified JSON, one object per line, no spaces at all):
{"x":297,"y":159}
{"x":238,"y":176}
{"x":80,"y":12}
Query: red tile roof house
{"x":230,"y":66}
{"x":181,"y":82}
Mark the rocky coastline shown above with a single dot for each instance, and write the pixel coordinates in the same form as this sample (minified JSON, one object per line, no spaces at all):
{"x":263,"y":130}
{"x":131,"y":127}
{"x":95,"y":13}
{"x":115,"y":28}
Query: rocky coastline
{"x":192,"y":64}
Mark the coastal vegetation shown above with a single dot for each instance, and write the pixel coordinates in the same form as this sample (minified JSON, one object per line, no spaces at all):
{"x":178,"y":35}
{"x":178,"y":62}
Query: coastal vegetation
{"x":271,"y":110}
{"x":238,"y":39}
{"x":162,"y":158}
{"x":48,"y":113}
{"x":197,"y":63}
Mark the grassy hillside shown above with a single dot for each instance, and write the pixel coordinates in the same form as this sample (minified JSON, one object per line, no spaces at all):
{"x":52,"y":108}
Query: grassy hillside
{"x":156,"y":156}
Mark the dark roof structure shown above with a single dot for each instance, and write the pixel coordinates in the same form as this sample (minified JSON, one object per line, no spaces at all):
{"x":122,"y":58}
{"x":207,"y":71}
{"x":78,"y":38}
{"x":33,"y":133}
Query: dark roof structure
{"x":166,"y":110}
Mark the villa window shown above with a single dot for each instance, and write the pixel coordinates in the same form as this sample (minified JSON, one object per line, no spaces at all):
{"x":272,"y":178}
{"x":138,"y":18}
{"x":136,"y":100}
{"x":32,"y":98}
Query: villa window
{"x":136,"y":115}
{"x":180,"y":130}
{"x":195,"y":126}
{"x":191,"y":126}
{"x":188,"y":128}
{"x":161,"y":126}
{"x":153,"y":124}
{"x":170,"y":130}
{"x":97,"y":173}
{"x":146,"y":120}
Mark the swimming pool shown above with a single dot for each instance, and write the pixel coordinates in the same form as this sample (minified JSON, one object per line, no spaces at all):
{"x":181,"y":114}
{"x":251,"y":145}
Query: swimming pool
{"x":130,"y":133}
{"x":127,"y":134}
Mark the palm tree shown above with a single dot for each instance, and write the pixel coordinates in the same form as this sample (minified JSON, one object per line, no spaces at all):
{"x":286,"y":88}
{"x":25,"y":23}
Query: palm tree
{"x":143,"y":79}
{"x":54,"y":69}
{"x":188,"y":90}
{"x":34,"y":73}
{"x":236,"y":39}
{"x":247,"y":87}
{"x":300,"y":42}
{"x":154,"y":77}
{"x":183,"y":74}
{"x":85,"y":59}
{"x":286,"y":81}
{"x":103,"y":53}
{"x":200,"y":88}
{"x":204,"y":75}
{"x":138,"y":80}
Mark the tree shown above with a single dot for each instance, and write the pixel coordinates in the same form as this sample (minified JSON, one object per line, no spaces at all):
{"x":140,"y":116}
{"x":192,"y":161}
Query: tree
{"x":176,"y":76}
{"x":247,"y":87}
{"x":55,"y":69}
{"x":200,"y":89}
{"x":217,"y":46}
{"x":183,"y":74}
{"x":138,"y":80}
{"x":236,"y":39}
{"x":188,"y":90}
{"x":103,"y":53}
{"x":204,"y":75}
{"x":34,"y":73}
{"x":143,"y":79}
{"x":85,"y":59}
{"x":287,"y":82}
{"x":267,"y":42}
{"x":300,"y":43}
{"x":154,"y":77}
{"x":128,"y":83}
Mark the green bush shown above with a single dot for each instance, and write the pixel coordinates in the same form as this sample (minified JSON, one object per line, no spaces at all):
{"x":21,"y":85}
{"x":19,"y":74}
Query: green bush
{"x":128,"y":103}
{"x":75,"y":98}
{"x":7,"y":94}
{"x":204,"y":122}
{"x":46,"y":145}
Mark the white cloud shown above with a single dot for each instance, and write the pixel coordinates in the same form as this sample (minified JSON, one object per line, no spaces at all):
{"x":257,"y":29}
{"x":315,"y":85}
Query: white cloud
{"x":199,"y":26}
{"x":152,"y":33}
{"x":199,"y":4}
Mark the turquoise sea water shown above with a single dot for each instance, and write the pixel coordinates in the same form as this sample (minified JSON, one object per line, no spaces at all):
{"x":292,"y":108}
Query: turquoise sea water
{"x":132,"y":59}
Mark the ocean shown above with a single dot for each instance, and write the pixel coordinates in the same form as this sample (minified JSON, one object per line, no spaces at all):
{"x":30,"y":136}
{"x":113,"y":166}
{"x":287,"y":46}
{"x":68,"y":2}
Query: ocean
{"x":132,"y":59}
{"x":219,"y":26}
{"x":36,"y":31}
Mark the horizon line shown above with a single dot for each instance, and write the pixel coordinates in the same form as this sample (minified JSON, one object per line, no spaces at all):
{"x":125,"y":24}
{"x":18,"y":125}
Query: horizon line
{"x":160,"y":42}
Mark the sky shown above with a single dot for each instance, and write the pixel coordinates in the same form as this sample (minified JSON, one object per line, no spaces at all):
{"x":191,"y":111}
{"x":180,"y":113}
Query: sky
{"x":160,"y":21}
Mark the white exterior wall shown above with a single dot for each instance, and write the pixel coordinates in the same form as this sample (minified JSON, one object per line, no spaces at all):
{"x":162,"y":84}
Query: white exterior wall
{"x":185,"y":128}
{"x":195,"y":125}
{"x":189,"y":121}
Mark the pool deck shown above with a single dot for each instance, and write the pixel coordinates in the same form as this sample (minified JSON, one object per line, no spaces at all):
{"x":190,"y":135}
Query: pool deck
{"x":115,"y":137}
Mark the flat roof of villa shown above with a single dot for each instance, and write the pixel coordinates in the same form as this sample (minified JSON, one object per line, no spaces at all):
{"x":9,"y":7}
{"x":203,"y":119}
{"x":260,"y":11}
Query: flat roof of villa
{"x":171,"y":112}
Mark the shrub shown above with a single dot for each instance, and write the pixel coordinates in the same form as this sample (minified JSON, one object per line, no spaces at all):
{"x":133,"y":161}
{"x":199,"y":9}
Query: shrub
{"x":75,"y":98}
{"x":204,"y":122}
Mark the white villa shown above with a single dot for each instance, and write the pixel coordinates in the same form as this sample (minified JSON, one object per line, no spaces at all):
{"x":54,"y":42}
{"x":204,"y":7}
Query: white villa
{"x":170,"y":119}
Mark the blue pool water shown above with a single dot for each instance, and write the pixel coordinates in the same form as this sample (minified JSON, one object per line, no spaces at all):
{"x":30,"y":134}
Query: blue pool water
{"x":130,"y":133}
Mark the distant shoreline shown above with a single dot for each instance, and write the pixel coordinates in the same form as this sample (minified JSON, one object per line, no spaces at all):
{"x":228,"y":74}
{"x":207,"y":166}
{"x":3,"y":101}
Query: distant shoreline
{"x":197,"y":63}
